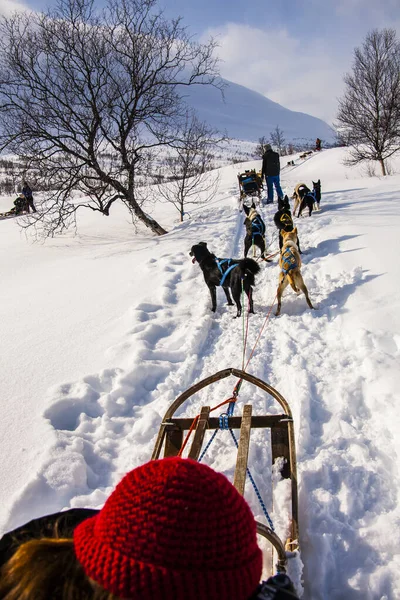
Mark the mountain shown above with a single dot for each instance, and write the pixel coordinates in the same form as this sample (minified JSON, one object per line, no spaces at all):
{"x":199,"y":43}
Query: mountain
{"x":248,"y":115}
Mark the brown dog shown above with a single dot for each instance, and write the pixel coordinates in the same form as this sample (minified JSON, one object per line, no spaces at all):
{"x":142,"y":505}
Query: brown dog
{"x":290,"y":264}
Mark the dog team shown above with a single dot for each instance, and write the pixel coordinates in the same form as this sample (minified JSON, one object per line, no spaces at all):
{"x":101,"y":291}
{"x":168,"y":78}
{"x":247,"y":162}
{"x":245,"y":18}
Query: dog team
{"x":237,"y":275}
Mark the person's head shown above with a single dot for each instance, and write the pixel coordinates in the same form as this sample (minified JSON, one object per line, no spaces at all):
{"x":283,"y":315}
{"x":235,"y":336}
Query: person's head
{"x":268,"y":147}
{"x":173,"y":529}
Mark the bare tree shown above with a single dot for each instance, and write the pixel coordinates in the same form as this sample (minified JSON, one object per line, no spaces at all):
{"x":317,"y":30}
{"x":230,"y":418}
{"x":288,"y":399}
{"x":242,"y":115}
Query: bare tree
{"x":278,"y":140}
{"x":187,"y":169}
{"x":261,"y":146}
{"x":369,"y":112}
{"x":87,"y":97}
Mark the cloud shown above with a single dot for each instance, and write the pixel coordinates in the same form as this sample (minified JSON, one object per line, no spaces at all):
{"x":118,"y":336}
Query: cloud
{"x":298,"y":56}
{"x":7,"y":7}
{"x":301,"y":74}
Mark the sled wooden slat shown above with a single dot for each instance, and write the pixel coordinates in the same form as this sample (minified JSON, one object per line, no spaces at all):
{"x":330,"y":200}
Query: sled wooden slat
{"x":173,"y":440}
{"x":280,"y":448}
{"x":197,"y":443}
{"x":257,"y":422}
{"x":239,"y":480}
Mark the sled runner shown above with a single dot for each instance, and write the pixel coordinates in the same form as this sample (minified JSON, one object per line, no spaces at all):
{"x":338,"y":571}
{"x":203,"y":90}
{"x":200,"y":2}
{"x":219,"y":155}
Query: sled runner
{"x":171,"y":437}
{"x":250,"y":184}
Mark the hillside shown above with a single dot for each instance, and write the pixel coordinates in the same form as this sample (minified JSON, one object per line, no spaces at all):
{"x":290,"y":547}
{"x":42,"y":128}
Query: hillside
{"x":248,"y":115}
{"x":101,"y":331}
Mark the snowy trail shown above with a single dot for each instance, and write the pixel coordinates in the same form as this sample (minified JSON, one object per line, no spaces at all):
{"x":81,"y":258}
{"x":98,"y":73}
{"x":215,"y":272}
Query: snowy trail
{"x":337,"y":372}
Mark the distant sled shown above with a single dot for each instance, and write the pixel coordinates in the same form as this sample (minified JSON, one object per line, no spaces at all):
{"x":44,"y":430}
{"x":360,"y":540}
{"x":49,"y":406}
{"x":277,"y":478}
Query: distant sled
{"x":250,"y":186}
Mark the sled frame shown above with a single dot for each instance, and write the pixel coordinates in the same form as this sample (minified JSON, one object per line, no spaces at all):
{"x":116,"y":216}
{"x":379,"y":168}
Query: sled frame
{"x":171,"y":436}
{"x":256,"y":179}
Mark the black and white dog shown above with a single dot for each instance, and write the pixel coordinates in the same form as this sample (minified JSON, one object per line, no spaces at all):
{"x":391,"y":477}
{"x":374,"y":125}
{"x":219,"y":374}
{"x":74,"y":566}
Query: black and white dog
{"x":228,"y":273}
{"x":255,"y":230}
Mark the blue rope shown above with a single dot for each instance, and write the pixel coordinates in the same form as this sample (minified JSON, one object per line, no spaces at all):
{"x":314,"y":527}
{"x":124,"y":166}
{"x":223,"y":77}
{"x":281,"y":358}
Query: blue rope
{"x":261,"y":501}
{"x":208,"y":445}
{"x":224,"y":424}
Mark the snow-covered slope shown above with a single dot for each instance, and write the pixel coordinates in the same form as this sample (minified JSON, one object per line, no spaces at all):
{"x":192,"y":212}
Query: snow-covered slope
{"x":248,"y":115}
{"x":100,"y":332}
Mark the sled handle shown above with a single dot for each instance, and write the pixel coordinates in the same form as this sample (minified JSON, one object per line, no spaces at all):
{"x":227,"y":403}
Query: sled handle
{"x":277,"y":544}
{"x":222,"y":375}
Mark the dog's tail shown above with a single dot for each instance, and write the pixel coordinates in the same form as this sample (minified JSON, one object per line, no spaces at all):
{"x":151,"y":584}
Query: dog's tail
{"x":249,"y":268}
{"x":292,"y":283}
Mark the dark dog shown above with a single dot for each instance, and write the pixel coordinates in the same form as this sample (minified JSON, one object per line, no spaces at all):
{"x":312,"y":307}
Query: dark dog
{"x":255,"y":230}
{"x":317,"y":193}
{"x":300,"y":191}
{"x":283,"y":220}
{"x":228,"y":273}
{"x":307,"y":201}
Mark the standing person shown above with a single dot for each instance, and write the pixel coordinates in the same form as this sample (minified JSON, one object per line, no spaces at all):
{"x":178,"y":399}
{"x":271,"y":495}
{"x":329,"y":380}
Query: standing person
{"x":271,"y":168}
{"x":318,"y":144}
{"x":27,"y":192}
{"x":173,"y":529}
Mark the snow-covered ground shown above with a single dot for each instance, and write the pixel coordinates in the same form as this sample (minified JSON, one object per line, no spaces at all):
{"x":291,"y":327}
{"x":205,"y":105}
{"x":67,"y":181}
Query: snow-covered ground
{"x":100,"y":332}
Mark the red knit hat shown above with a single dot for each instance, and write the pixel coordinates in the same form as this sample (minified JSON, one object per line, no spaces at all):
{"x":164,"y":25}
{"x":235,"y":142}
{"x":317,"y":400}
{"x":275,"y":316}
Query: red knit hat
{"x":173,"y":529}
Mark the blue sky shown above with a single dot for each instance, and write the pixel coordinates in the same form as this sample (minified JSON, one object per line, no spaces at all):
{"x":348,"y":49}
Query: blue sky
{"x":295,"y":52}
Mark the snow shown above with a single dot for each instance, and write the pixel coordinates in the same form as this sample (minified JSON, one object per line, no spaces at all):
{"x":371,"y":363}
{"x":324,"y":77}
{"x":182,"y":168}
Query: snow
{"x":100,"y":332}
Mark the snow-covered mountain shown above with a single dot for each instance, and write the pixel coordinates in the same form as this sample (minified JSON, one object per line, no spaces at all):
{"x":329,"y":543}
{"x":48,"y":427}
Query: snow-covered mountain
{"x":248,"y":115}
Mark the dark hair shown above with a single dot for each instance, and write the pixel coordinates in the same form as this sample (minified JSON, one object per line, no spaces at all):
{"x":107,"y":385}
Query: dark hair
{"x":47,"y":568}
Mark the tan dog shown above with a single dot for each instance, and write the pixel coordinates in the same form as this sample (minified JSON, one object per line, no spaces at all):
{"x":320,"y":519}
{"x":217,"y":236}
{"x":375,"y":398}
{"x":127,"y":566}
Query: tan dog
{"x":290,"y":264}
{"x":299,"y":192}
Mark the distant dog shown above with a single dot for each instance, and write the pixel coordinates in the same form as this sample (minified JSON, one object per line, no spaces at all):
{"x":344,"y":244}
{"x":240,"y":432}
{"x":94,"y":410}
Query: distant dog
{"x":290,"y":264}
{"x":255,"y":230}
{"x":283,"y":220}
{"x":317,"y":193}
{"x":227,"y":273}
{"x":300,"y":191}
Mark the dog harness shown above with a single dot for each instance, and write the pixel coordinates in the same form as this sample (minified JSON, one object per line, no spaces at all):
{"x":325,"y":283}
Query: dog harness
{"x":289,"y":261}
{"x":310,"y":194}
{"x":287,"y":221}
{"x":257,"y":227}
{"x":222,"y":261}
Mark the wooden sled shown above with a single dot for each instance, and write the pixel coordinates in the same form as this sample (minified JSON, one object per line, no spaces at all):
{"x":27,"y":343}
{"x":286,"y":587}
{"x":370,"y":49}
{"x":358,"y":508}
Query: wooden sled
{"x":171,"y":435}
{"x":250,"y":186}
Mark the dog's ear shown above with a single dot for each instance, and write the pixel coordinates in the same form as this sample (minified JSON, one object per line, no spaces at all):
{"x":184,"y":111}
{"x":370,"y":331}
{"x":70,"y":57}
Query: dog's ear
{"x":295,"y":230}
{"x":246,"y":209}
{"x":253,"y":205}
